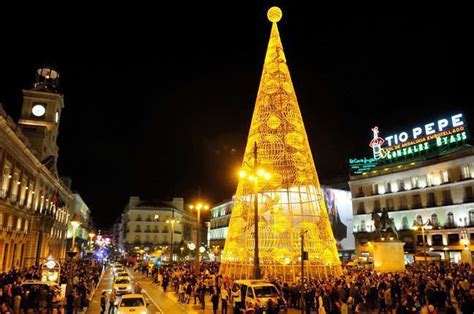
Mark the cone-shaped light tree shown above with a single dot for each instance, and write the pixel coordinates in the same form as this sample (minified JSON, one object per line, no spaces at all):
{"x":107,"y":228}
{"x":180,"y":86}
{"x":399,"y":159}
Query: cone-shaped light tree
{"x":279,"y":190}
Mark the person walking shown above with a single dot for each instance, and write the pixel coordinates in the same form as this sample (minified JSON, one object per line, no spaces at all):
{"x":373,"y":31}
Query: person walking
{"x":103,"y":302}
{"x":215,"y":301}
{"x":112,"y":299}
{"x":224,"y":299}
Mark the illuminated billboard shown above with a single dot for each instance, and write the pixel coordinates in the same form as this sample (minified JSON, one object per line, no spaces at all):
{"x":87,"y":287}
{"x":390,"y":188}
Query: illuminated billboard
{"x":426,"y":140}
{"x":339,"y":205}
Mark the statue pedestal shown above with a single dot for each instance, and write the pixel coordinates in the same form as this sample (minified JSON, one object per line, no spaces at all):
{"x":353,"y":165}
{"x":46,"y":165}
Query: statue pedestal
{"x":388,"y":256}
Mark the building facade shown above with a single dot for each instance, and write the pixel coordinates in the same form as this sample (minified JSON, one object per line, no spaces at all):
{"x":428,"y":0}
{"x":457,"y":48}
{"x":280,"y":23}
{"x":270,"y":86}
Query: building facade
{"x":34,"y":202}
{"x":219,"y":223}
{"x":144,"y":224}
{"x":82,"y":211}
{"x":432,"y":187}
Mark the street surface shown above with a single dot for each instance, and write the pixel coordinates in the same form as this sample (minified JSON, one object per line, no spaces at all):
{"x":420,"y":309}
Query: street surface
{"x":159,"y":301}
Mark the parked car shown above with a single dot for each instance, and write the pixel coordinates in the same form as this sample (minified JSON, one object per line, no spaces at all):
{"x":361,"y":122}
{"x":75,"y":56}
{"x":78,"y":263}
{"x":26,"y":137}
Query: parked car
{"x":258,"y":293}
{"x":132,"y":303}
{"x":122,"y":285}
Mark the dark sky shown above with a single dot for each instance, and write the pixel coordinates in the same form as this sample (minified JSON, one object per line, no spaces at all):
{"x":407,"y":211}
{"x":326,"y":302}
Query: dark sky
{"x":158,"y":101}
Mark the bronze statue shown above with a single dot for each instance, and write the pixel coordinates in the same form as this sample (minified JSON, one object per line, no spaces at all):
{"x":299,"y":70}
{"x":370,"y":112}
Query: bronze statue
{"x":384,"y":223}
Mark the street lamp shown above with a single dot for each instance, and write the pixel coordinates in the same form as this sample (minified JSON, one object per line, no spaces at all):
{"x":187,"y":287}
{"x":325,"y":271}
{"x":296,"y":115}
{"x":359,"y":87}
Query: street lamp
{"x":75,"y":223}
{"x":172,"y":222}
{"x":182,"y":249}
{"x":256,"y":174}
{"x":423,"y":226}
{"x":198,"y":208}
{"x":91,"y":236}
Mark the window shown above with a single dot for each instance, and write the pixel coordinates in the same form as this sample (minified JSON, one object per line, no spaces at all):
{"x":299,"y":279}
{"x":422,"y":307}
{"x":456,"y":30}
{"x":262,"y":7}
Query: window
{"x":361,"y":209}
{"x":419,"y":239}
{"x":139,"y":218}
{"x":416,"y":201}
{"x":430,"y":200}
{"x":468,"y":194}
{"x":419,"y":219}
{"x":453,"y":239}
{"x":18,"y":224}
{"x":450,"y":220}
{"x":394,"y":186}
{"x":403,"y":202}
{"x":434,"y":220}
{"x":389,"y":203}
{"x":1,"y":221}
{"x":362,"y":226}
{"x":137,"y":238}
{"x":360,"y":192}
{"x":405,"y":225}
{"x":471,"y":218}
{"x":376,"y":205}
{"x":156,"y":218}
{"x":466,"y":172}
{"x":26,"y":226}
{"x":250,"y":293}
{"x":147,"y":238}
{"x":414,"y":182}
{"x":375,"y":189}
{"x":437,"y":239}
{"x":447,"y":199}
{"x":445,"y":176}
{"x":148,"y":218}
{"x":10,"y":222}
{"x":402,"y":185}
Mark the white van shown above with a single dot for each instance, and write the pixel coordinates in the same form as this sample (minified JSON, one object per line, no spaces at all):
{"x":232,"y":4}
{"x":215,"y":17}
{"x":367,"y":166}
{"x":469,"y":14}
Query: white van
{"x":258,"y":293}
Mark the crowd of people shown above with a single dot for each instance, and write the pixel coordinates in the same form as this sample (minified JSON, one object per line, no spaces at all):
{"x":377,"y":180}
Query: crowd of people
{"x":21,"y":290}
{"x":432,"y":289}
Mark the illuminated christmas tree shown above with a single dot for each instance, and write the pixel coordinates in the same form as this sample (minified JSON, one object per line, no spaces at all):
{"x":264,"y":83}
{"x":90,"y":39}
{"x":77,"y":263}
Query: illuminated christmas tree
{"x":278,"y":170}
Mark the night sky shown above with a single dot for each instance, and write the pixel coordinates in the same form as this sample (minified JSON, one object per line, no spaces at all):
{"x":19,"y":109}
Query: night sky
{"x":158,"y":102}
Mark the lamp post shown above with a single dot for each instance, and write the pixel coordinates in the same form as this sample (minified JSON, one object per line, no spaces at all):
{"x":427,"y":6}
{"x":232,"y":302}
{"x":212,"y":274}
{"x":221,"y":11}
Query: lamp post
{"x":172,"y":222}
{"x":75,"y":223}
{"x":423,"y":226}
{"x":91,"y":236}
{"x":182,"y":249}
{"x":253,"y":177}
{"x":198,"y":208}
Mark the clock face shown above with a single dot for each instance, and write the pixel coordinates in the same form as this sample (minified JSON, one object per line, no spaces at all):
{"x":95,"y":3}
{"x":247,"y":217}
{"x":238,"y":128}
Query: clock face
{"x":38,"y":110}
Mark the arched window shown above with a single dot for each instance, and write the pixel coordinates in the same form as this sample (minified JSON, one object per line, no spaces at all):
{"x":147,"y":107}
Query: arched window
{"x":362,"y":226}
{"x":419,"y":219}
{"x":450,"y":219}
{"x":405,"y":225}
{"x":434,"y":220}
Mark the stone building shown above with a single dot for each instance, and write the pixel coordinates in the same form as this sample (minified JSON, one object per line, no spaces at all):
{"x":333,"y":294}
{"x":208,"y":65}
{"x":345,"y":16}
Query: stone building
{"x":34,"y":201}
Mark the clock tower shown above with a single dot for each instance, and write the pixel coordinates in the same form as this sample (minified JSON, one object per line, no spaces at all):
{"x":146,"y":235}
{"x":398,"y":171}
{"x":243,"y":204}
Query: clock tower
{"x":40,"y":115}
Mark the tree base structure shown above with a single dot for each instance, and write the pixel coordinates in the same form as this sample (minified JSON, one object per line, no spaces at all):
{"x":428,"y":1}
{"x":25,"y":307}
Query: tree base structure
{"x":289,"y":273}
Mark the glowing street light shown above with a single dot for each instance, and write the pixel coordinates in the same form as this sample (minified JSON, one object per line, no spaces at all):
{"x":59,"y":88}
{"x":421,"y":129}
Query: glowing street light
{"x":75,"y":223}
{"x":172,"y":222}
{"x":199,"y":206}
{"x":423,"y":226}
{"x":91,"y":236}
{"x":256,"y":174}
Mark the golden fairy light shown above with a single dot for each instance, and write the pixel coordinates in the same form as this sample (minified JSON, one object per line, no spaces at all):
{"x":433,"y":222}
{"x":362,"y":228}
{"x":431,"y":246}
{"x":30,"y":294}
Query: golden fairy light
{"x":289,"y":196}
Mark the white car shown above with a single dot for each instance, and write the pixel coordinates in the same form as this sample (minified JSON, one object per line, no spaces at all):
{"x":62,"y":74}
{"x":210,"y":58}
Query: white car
{"x":122,"y":285}
{"x":118,"y":269}
{"x":132,"y":303}
{"x":121,"y":274}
